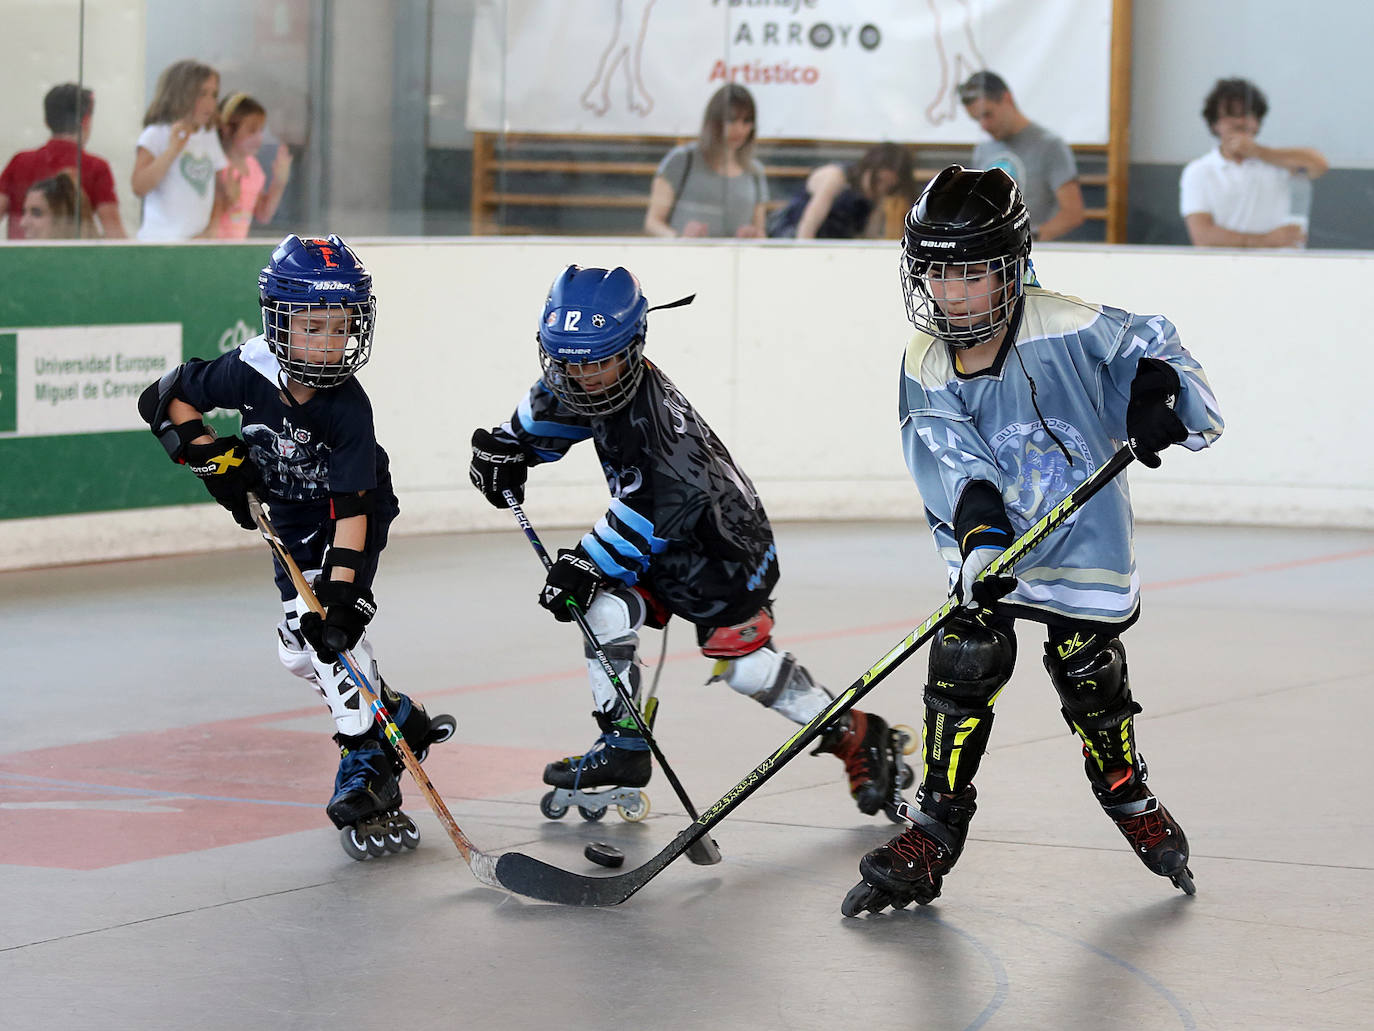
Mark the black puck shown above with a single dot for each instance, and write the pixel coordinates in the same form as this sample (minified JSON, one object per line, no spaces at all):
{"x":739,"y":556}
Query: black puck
{"x":603,"y":854}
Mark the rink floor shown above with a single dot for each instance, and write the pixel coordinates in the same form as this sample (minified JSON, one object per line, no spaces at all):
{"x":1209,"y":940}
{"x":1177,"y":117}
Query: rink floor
{"x":165,"y":861}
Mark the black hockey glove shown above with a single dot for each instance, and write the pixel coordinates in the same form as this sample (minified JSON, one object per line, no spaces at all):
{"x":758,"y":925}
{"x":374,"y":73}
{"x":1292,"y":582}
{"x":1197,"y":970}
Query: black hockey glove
{"x":574,"y":577}
{"x":228,"y":473}
{"x":497,"y":466}
{"x":348,"y":609}
{"x":1151,"y":424}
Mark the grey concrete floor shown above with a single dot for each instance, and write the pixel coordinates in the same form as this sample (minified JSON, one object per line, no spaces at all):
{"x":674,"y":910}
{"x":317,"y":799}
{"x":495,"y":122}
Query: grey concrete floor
{"x":166,"y":863}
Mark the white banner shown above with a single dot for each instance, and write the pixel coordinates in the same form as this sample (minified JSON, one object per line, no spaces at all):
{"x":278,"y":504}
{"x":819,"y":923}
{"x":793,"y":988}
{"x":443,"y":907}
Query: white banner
{"x":819,"y":69}
{"x":87,"y":379}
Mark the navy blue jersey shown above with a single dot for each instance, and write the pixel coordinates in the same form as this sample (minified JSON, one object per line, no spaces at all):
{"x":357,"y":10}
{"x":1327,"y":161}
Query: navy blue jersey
{"x":684,"y":519}
{"x":304,"y":452}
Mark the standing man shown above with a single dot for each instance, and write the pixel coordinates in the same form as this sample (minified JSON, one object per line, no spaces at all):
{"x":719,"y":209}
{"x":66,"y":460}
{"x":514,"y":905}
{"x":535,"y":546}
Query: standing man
{"x":67,"y":109}
{"x":1241,"y":193}
{"x":1039,"y":161}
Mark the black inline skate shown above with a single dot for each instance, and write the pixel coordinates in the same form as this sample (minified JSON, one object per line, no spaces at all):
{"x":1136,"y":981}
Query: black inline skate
{"x":1155,"y":836}
{"x":912,"y":866}
{"x":366,"y":806}
{"x":619,"y":760}
{"x":872,"y":755}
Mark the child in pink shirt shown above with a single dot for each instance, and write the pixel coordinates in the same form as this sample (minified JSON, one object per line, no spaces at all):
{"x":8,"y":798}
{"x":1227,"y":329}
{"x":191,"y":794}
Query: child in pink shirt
{"x":239,"y":194}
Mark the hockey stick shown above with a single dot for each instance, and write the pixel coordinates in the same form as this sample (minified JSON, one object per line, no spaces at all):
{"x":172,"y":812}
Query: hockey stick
{"x":483,"y":865}
{"x":525,"y":875}
{"x":703,"y":852}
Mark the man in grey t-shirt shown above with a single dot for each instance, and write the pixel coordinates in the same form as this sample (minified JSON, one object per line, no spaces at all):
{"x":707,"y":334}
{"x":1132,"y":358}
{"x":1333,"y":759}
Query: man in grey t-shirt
{"x":1039,"y":161}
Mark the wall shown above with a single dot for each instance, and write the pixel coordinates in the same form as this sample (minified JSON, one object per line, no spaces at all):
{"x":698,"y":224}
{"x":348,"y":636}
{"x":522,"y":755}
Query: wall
{"x":791,"y":353}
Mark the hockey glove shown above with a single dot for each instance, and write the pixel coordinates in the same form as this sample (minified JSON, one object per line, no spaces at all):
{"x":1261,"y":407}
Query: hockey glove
{"x":573,"y":578}
{"x":976,"y":593}
{"x":497,"y":466}
{"x":228,"y":473}
{"x":1151,"y":424}
{"x":983,"y":531}
{"x":348,"y":609}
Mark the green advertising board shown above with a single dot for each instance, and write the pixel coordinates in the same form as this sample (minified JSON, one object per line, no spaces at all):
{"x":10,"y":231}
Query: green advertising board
{"x":83,"y":329}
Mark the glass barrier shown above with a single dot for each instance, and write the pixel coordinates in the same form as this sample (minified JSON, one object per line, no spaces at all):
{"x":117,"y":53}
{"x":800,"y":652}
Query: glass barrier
{"x":477,"y":117}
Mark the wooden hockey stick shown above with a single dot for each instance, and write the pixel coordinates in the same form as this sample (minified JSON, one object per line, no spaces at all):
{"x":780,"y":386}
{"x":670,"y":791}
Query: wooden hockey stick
{"x":525,"y":875}
{"x":704,"y":851}
{"x":482,"y":864}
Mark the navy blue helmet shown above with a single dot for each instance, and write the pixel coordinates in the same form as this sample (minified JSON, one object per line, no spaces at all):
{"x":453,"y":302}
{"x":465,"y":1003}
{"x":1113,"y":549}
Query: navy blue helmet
{"x":591,"y":338}
{"x":321,"y":284}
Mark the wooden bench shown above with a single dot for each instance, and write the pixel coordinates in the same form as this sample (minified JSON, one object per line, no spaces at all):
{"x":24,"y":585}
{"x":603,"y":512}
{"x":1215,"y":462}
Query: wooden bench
{"x":599,"y":185}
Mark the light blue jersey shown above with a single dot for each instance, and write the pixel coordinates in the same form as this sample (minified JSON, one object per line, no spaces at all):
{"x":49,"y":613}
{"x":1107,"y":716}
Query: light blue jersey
{"x":958,"y":428}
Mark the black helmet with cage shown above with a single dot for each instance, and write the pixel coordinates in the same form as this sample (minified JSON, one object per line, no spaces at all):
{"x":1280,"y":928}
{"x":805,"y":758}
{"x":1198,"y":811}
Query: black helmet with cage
{"x":969,"y":231}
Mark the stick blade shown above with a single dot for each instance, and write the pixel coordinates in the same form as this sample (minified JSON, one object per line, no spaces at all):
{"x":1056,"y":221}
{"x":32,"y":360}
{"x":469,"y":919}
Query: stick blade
{"x":704,"y":851}
{"x":532,"y":878}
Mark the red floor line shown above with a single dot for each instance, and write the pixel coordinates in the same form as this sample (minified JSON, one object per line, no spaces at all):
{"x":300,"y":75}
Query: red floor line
{"x":786,"y":639}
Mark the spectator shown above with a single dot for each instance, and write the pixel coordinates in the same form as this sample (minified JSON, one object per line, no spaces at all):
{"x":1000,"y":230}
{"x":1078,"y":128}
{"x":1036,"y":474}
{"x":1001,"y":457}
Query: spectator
{"x":239,"y":196}
{"x":1039,"y":161}
{"x":67,"y":109}
{"x":179,"y":153}
{"x":50,"y":210}
{"x":842,"y":202}
{"x":713,"y":187}
{"x":1239,"y":194}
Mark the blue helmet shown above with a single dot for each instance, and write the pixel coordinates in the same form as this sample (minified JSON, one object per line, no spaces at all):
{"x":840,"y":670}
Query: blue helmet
{"x":591,"y":338}
{"x":325,"y":279}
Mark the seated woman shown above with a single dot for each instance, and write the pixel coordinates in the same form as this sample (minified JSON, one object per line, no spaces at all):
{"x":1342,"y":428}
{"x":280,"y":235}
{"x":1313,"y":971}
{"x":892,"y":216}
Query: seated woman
{"x":714,"y":186}
{"x":842,"y":202}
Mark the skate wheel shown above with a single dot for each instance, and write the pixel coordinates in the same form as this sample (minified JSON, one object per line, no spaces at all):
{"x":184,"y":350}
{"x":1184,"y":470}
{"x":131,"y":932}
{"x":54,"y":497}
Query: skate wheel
{"x":591,"y":815}
{"x":552,"y":810}
{"x":906,"y":776}
{"x":410,"y":834}
{"x":862,"y":898}
{"x":353,"y":845}
{"x":1184,"y":879}
{"x":441,"y":728}
{"x":909,"y":739}
{"x":395,"y":840}
{"x":376,"y":845}
{"x":637,"y":812}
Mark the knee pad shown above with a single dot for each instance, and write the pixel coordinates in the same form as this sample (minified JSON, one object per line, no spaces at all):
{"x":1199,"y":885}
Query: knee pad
{"x":294,"y":653}
{"x":776,"y":680}
{"x":1090,"y":675}
{"x":733,"y":642}
{"x":970,"y":662}
{"x":615,"y":612}
{"x":615,"y":616}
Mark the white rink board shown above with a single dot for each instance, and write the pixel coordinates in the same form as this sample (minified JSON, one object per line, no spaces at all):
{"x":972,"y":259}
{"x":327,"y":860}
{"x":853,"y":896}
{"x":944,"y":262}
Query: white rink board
{"x":792,"y":353}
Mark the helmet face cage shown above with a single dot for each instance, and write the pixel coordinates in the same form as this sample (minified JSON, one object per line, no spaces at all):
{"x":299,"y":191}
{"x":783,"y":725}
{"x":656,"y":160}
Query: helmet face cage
{"x":325,"y":357}
{"x":595,"y":387}
{"x":982,"y":296}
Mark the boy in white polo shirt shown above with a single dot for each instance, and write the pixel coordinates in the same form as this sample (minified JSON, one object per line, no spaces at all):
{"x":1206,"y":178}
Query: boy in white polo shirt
{"x":1240,"y":194}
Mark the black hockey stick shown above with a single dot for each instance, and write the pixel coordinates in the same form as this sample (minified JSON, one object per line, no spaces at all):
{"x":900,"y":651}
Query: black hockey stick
{"x":703,"y":852}
{"x":482,"y":864}
{"x":525,"y":875}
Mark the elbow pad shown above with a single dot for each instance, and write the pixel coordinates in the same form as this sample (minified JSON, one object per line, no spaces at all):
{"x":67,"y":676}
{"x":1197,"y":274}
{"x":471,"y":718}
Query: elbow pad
{"x":152,"y":408}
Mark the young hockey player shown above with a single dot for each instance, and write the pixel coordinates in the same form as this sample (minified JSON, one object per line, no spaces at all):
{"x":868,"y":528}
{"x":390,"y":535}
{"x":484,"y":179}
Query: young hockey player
{"x":1010,"y":395}
{"x":685,"y":535}
{"x":310,"y":451}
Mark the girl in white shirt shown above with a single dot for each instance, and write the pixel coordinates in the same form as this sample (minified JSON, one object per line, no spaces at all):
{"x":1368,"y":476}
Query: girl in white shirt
{"x":179,"y":153}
